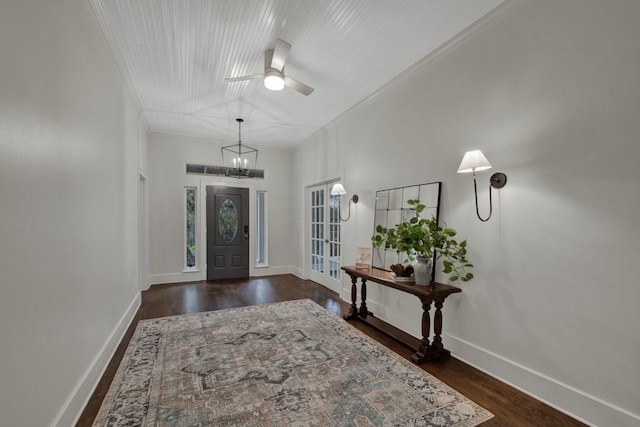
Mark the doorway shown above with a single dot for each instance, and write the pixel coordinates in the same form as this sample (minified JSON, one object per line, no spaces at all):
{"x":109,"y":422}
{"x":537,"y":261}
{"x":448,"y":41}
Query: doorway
{"x":325,"y":252}
{"x":227,"y":232}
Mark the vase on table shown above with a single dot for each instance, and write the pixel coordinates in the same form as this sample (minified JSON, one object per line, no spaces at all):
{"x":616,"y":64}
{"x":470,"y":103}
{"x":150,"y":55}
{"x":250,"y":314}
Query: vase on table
{"x":422,"y":271}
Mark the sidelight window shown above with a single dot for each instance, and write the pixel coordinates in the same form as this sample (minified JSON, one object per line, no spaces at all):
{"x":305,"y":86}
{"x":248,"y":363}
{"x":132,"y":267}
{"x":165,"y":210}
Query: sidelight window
{"x":190,"y":228}
{"x":261,"y":228}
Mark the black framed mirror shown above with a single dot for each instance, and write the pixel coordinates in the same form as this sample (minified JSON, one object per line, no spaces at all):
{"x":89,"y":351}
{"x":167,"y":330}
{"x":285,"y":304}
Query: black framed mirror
{"x":391,"y":208}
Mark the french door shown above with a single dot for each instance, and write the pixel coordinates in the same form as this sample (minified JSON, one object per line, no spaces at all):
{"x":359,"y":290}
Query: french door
{"x":324,"y":254}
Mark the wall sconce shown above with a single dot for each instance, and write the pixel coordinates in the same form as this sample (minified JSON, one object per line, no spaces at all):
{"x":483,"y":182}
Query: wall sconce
{"x":338,"y":190}
{"x":476,"y":161}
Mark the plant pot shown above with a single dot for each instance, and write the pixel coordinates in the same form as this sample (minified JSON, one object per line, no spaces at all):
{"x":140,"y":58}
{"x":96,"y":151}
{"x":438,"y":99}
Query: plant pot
{"x":422,"y":271}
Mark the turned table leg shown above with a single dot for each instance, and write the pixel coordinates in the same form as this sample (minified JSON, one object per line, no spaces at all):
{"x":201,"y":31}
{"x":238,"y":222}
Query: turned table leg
{"x":437,"y":348}
{"x":422,"y":353}
{"x":353,"y":311}
{"x":363,"y":291}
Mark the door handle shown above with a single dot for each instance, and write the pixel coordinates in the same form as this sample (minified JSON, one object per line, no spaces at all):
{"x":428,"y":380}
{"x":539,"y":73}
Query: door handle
{"x":326,"y":240}
{"x":246,"y":231}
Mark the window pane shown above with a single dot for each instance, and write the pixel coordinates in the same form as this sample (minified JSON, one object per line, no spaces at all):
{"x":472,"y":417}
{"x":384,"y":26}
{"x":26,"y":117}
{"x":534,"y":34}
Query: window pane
{"x":191,"y":228}
{"x":334,"y":270}
{"x":228,"y":221}
{"x":317,"y":231}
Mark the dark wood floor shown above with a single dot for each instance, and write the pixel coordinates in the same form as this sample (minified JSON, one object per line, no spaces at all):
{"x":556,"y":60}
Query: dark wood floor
{"x":511,"y":407}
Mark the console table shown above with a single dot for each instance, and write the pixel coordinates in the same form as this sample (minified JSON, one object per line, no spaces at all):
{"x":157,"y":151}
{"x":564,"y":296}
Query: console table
{"x":434,"y":293}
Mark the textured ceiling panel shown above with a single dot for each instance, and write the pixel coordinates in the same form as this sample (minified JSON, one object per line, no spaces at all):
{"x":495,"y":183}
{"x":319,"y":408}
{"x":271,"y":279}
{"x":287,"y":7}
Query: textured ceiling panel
{"x":177,"y":53}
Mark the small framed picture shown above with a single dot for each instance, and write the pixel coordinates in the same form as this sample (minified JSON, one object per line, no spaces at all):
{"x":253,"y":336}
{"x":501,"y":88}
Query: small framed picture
{"x":363,"y":258}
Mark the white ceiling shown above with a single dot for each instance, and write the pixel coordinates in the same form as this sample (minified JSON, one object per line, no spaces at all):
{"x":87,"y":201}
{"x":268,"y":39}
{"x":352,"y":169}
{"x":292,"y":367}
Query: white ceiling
{"x":176,"y":54}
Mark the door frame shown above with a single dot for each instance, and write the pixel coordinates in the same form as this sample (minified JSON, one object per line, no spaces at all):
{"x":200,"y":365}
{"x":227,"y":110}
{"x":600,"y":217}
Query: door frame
{"x":201,"y":239}
{"x":306,"y":263}
{"x":144,"y":281}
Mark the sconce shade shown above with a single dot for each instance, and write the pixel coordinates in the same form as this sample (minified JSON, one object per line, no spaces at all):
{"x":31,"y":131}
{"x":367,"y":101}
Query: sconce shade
{"x":338,"y":189}
{"x":473,"y":161}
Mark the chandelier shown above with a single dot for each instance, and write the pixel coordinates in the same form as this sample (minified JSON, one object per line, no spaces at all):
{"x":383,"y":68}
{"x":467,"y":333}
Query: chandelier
{"x":239,"y":160}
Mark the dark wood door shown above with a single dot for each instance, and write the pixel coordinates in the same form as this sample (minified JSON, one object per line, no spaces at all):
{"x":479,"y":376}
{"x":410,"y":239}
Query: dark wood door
{"x":227,"y":232}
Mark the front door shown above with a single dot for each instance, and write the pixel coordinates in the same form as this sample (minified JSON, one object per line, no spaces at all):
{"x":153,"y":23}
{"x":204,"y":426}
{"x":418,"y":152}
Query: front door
{"x":227,"y":232}
{"x":324,"y":237}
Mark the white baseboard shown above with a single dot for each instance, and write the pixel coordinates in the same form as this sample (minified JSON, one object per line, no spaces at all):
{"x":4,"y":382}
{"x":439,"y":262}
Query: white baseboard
{"x":298,"y":272}
{"x":75,"y":403}
{"x":346,"y":294}
{"x":194,"y":276}
{"x":273,"y":270}
{"x":185,"y":276}
{"x":565,"y":398}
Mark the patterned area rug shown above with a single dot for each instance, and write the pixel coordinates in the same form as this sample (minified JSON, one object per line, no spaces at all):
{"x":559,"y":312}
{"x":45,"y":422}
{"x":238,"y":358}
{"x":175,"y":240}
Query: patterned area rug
{"x":284,"y":364}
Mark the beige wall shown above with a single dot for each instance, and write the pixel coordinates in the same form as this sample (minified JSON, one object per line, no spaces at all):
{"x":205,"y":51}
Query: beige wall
{"x":549,"y":91}
{"x":69,"y":135}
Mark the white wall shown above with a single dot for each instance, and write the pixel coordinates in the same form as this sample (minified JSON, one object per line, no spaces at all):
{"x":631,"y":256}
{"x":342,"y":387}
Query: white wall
{"x":168,"y":156}
{"x":550,"y":93}
{"x":69,"y":133}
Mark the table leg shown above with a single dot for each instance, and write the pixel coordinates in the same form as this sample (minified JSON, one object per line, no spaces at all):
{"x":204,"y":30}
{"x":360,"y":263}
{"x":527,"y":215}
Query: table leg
{"x":353,"y":311}
{"x":363,"y":291}
{"x":422,"y":353}
{"x":437,"y":348}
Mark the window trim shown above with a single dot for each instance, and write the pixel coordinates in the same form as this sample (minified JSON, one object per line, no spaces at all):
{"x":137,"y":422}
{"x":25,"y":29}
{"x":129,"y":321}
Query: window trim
{"x":262,"y":231}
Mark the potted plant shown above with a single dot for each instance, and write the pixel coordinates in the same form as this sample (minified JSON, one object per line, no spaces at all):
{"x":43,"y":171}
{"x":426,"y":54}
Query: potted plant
{"x":420,"y":239}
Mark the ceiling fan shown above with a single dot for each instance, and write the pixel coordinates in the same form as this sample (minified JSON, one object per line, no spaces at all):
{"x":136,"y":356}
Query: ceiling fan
{"x":274,"y":78}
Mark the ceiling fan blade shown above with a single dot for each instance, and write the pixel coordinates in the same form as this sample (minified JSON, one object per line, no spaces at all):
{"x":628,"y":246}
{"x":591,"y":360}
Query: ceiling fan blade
{"x":296,"y":85}
{"x":280,"y":53}
{"x":239,"y":79}
{"x":268,"y":57}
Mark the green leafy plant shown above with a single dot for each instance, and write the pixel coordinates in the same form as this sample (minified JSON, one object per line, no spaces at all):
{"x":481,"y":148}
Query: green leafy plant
{"x":423,"y":237}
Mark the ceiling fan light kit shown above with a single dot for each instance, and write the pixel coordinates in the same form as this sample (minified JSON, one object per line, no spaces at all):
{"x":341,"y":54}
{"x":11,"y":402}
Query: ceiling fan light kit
{"x":274,"y":77}
{"x":273,"y":80}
